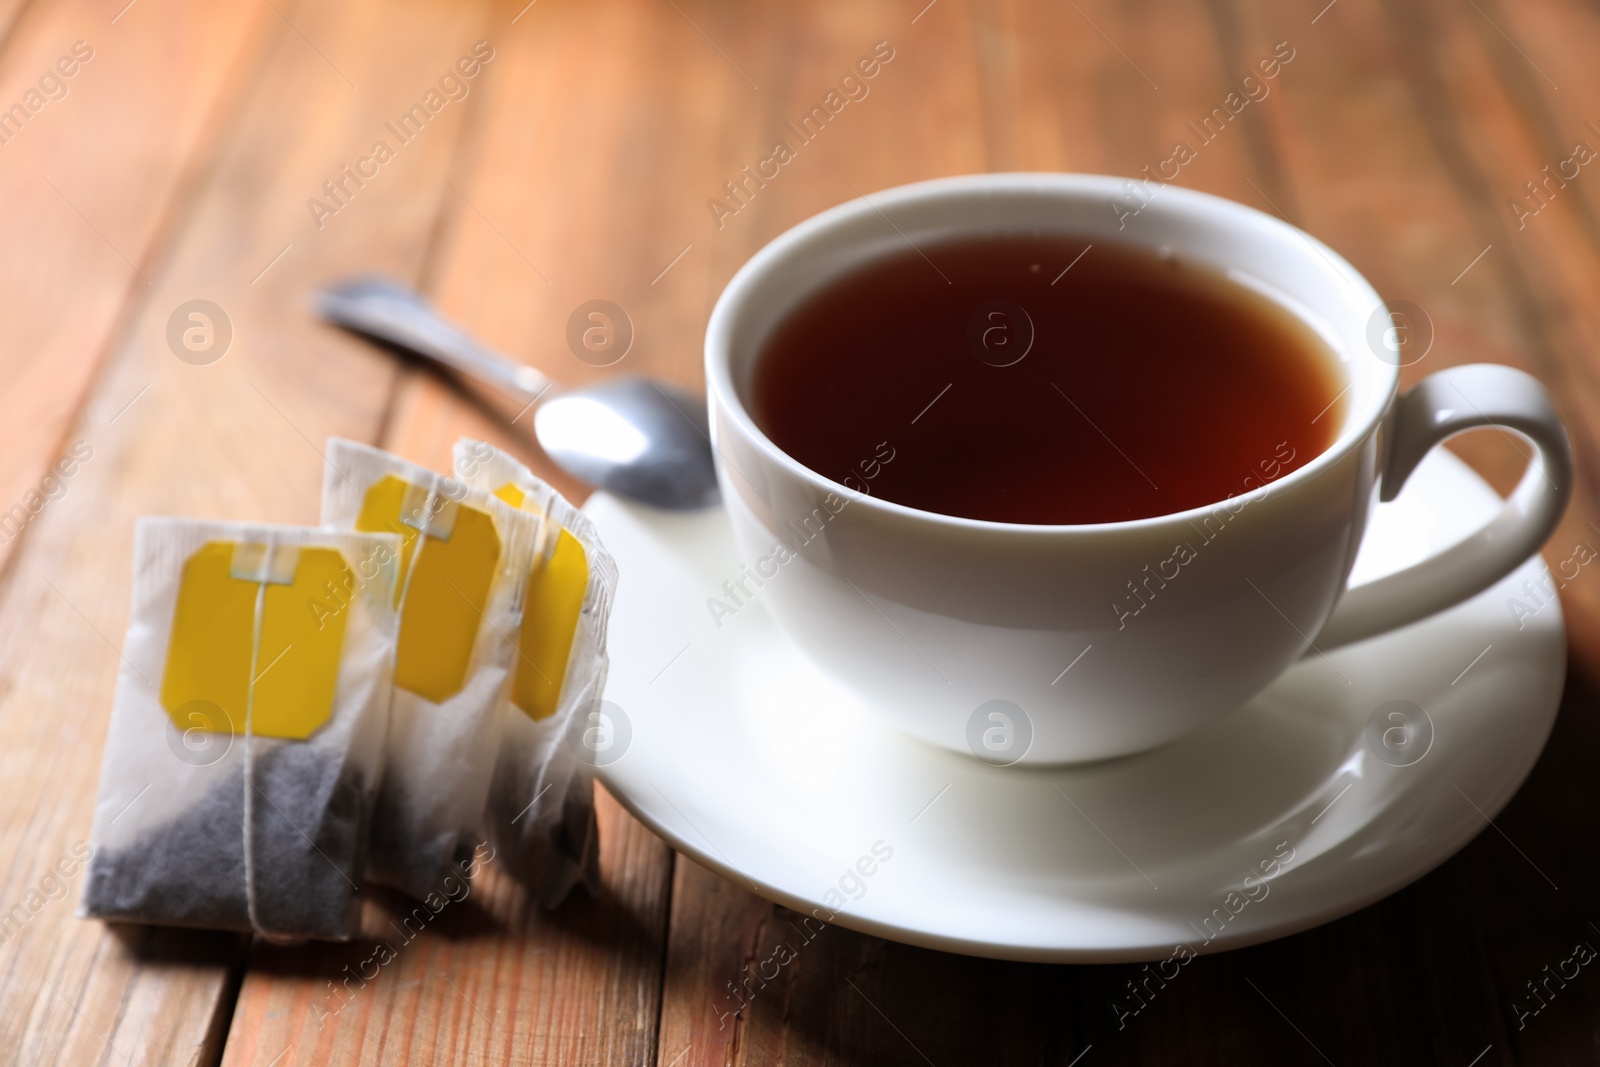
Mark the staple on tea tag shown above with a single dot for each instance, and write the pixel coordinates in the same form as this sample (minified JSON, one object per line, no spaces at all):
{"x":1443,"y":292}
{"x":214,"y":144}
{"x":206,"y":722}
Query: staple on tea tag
{"x":429,"y":510}
{"x":262,"y":561}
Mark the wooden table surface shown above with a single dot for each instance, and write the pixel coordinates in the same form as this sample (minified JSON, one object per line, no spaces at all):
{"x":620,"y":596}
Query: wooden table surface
{"x":181,"y":160}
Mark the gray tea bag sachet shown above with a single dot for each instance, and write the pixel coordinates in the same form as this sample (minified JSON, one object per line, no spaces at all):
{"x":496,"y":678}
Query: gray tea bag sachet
{"x":541,"y":806}
{"x":464,"y":560}
{"x":246,"y":738}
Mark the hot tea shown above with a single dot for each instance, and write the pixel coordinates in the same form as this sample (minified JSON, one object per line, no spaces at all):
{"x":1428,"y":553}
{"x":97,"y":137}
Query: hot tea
{"x":1042,"y":379}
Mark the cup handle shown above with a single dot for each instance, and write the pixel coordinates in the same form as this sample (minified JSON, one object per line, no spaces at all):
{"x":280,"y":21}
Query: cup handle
{"x":1437,"y":408}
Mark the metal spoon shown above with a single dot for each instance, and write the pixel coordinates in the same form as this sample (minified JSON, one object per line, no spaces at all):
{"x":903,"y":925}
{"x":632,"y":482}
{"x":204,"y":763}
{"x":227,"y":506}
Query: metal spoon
{"x":638,"y":438}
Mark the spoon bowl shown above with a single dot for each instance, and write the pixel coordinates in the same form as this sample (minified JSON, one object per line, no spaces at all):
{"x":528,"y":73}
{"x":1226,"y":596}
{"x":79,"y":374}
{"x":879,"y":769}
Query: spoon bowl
{"x":636,"y":437}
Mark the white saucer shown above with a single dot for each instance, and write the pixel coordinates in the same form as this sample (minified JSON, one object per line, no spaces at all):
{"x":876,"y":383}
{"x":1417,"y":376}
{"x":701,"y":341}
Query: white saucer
{"x":742,"y":755}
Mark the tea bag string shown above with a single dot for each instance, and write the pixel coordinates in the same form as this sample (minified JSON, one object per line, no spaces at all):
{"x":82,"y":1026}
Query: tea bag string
{"x":249,"y":732}
{"x":544,"y":537}
{"x":536,"y":558}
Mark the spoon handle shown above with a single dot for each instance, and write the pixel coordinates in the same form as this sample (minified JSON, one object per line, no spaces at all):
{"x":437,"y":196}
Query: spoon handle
{"x":390,"y":312}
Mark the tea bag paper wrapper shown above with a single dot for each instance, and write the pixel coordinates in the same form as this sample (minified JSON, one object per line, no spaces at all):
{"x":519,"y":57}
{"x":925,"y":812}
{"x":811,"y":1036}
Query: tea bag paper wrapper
{"x":541,"y":805}
{"x":246,"y":738}
{"x":463,"y":569}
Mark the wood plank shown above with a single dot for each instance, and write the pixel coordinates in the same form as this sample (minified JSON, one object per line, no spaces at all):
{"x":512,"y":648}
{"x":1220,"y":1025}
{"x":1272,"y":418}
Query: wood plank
{"x":559,"y":129}
{"x":1403,"y":222}
{"x":1498,"y":123}
{"x":1453,"y":106}
{"x":235,"y":439}
{"x":494,"y":979}
{"x":581,"y":173}
{"x":78,"y":218}
{"x":920,"y":1002}
{"x":927,"y":115}
{"x":69,"y":992}
{"x":533,"y":194}
{"x":491,"y":979}
{"x":1057,"y":94}
{"x":846,"y":997}
{"x":1449,"y":122}
{"x":1538,"y":51}
{"x":1496,"y":120}
{"x":1352,"y":987}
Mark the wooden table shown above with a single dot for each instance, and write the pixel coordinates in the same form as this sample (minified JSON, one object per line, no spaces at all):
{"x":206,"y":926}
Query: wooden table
{"x":182,"y":160}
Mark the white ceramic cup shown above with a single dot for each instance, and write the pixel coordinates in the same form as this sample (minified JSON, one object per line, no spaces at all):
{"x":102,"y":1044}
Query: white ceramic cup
{"x":959,"y":629}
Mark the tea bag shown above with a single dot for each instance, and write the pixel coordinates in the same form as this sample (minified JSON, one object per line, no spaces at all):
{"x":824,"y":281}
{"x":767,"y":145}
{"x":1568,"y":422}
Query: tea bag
{"x":464,"y":560}
{"x":246,"y":738}
{"x":541,"y":805}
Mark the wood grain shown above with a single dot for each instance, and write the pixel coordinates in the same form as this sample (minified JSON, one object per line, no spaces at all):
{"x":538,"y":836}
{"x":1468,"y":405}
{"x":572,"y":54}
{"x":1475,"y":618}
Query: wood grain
{"x":491,"y":979}
{"x":1087,"y":88}
{"x":234,"y":439}
{"x":498,"y":981}
{"x":91,"y":189}
{"x":91,"y":192}
{"x":1351,"y":991}
{"x":580,"y":166}
{"x":1508,"y":125}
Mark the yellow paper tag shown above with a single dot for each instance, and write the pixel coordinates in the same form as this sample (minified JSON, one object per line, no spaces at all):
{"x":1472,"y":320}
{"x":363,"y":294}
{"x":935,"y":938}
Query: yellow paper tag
{"x":556,"y":589}
{"x":446,"y":592}
{"x":206,"y":682}
{"x":512,"y":494}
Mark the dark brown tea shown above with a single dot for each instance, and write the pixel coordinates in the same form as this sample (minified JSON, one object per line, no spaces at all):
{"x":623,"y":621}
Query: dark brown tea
{"x":1042,"y":379}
